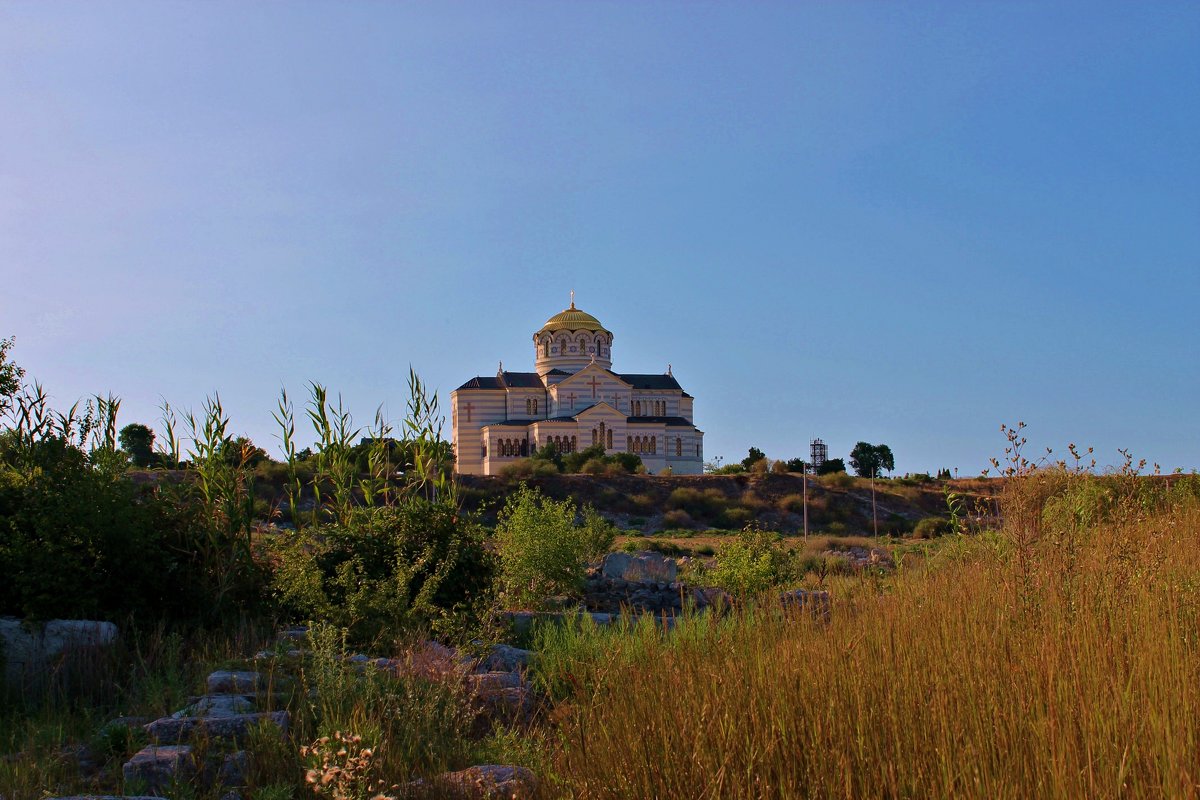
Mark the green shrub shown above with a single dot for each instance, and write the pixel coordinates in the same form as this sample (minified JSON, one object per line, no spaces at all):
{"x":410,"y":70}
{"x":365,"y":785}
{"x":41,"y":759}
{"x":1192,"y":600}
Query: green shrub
{"x":528,"y":468}
{"x":677,"y":518}
{"x":665,"y":548}
{"x":706,"y":550}
{"x":931,"y":527}
{"x":837,"y":480}
{"x":597,"y":532}
{"x":422,"y":563}
{"x":754,"y":562}
{"x":736,"y":517}
{"x":542,"y":552}
{"x":78,"y":541}
{"x":793,"y":503}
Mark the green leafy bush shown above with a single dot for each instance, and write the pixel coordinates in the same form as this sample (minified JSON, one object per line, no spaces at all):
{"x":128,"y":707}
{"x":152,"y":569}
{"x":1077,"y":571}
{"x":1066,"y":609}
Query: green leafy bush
{"x":754,"y":562}
{"x":77,"y":540}
{"x":542,"y":551}
{"x":421,"y":563}
{"x":931,"y":528}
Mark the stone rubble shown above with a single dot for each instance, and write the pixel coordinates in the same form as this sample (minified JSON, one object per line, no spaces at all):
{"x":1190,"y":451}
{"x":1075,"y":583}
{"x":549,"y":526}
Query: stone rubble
{"x":156,"y":768}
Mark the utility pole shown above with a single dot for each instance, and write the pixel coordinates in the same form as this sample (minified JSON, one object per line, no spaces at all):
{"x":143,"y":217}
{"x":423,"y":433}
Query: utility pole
{"x":874,"y":514}
{"x":804,"y":482}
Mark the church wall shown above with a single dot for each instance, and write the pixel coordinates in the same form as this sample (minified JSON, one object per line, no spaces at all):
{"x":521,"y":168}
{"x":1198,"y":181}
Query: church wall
{"x":517,"y":408}
{"x":486,"y":406}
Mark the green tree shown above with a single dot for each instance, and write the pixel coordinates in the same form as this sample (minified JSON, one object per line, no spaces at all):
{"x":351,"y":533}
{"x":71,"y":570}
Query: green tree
{"x":796,"y":465}
{"x":869,"y":460}
{"x":241,"y":452}
{"x":754,"y":455}
{"x":10,"y":376}
{"x":138,"y":441}
{"x":831,"y":465}
{"x":542,"y":552}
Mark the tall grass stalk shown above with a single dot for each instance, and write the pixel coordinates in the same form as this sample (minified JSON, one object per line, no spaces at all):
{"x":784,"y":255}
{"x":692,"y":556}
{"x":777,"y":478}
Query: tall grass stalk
{"x":1065,"y":671}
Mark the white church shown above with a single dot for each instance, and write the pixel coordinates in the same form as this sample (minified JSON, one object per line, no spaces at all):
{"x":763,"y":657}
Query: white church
{"x":574,"y":400}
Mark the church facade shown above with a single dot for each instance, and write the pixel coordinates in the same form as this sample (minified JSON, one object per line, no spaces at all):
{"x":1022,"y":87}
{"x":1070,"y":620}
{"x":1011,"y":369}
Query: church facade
{"x":573,"y":400}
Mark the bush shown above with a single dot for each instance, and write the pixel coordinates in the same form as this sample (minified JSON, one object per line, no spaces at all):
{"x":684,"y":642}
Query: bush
{"x":736,"y":517}
{"x":420,"y":564}
{"x":754,"y":562}
{"x":528,"y":468}
{"x":594,"y":461}
{"x":931,"y":527}
{"x":78,"y":541}
{"x":709,"y":503}
{"x":793,"y":503}
{"x":677,"y":518}
{"x":836,"y":480}
{"x":542,"y":552}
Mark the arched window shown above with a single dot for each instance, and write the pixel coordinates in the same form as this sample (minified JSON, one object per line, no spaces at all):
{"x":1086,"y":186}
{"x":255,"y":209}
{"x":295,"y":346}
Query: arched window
{"x":528,"y":406}
{"x":653,"y":445}
{"x":637,"y":408}
{"x":546,"y":347}
{"x":697,"y":451}
{"x":610,"y":447}
{"x":573,"y":445}
{"x":678,"y":446}
{"x":602,"y":439}
{"x":535,"y":411}
{"x":593,"y":436}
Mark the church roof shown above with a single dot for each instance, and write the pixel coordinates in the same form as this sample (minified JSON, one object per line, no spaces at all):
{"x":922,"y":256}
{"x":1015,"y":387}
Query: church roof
{"x":511,"y":380}
{"x":481,"y":382}
{"x":670,"y":422}
{"x":639,"y":381}
{"x":573,"y":319}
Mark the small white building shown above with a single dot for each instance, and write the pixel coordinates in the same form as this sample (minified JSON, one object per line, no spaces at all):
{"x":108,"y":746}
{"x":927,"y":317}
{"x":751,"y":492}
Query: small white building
{"x":574,"y":400}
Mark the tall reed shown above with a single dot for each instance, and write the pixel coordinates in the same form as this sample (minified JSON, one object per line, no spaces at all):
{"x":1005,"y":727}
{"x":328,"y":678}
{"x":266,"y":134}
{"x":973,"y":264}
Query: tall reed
{"x":1055,"y":659}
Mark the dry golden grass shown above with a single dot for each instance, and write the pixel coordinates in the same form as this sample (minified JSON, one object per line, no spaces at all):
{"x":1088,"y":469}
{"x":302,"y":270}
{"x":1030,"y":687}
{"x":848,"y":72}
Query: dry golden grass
{"x":1058,"y":661}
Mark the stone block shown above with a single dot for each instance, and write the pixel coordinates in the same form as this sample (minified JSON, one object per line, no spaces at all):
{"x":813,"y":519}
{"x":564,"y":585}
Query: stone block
{"x":156,"y":768}
{"x":485,"y":782}
{"x":644,"y":567}
{"x":506,"y":658}
{"x":171,"y":730}
{"x":231,"y":682}
{"x":217,"y":705}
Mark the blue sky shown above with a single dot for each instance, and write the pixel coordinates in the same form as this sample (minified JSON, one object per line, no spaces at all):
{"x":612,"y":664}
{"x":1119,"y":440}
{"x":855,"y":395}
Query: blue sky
{"x":899,"y":223}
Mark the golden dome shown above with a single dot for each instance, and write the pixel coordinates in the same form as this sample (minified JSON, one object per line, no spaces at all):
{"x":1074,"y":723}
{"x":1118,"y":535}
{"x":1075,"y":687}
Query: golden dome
{"x":572,"y":319}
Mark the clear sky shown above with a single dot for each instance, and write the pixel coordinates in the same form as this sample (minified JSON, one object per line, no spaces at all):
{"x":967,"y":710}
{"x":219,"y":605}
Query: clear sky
{"x":895,"y":222}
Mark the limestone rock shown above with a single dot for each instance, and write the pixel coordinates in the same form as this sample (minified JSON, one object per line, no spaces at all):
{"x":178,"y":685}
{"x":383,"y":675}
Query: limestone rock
{"x":490,"y":782}
{"x":711,"y":597}
{"x":815,"y":602}
{"x":228,"y":682}
{"x":506,"y":658}
{"x":217,"y":705}
{"x":157,"y":767}
{"x":486,"y":682}
{"x":27,"y":649}
{"x":644,"y":567}
{"x":234,"y":769}
{"x":170,"y":730}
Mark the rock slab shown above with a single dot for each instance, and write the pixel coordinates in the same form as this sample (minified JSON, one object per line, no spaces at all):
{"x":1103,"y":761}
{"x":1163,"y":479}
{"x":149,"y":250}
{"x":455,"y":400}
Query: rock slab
{"x":28,"y":649}
{"x":644,"y":567}
{"x":228,"y":682}
{"x":171,"y":730}
{"x":156,"y":768}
